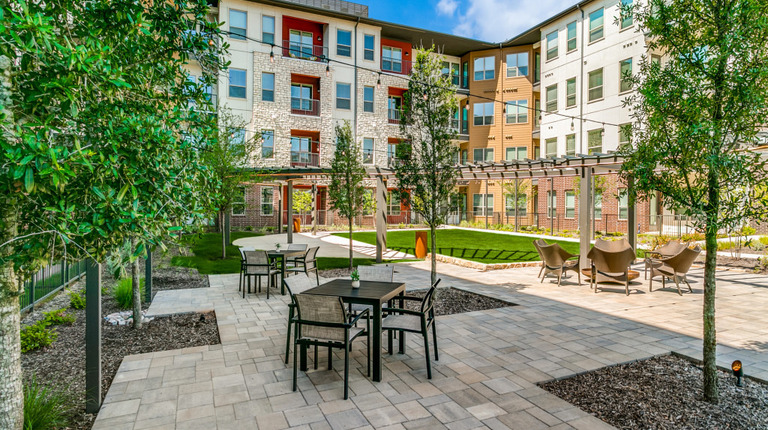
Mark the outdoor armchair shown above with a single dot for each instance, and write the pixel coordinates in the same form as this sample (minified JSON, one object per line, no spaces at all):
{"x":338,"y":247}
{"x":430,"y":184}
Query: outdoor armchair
{"x":405,"y":320}
{"x":558,"y":260}
{"x":295,"y":285}
{"x":322,"y":321}
{"x":295,"y":247}
{"x":669,"y":249}
{"x":611,"y":266}
{"x":675,"y":267}
{"x":307,"y":263}
{"x":612,"y":245}
{"x":256,"y":265}
{"x":538,"y":243}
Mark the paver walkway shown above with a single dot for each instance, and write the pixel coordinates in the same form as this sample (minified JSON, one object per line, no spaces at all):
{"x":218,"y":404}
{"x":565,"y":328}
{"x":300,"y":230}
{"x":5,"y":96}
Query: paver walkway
{"x":490,"y":361}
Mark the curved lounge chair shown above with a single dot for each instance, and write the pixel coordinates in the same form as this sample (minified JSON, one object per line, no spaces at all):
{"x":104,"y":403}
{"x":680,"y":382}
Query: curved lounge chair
{"x":612,"y":266}
{"x":557,"y":260}
{"x":675,"y":268}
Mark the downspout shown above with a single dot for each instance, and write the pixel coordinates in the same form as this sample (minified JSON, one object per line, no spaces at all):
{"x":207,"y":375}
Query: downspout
{"x":581,"y":85}
{"x":354,"y":110}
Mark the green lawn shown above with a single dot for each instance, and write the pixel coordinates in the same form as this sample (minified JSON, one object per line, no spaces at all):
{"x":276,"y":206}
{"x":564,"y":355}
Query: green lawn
{"x":471,"y":245}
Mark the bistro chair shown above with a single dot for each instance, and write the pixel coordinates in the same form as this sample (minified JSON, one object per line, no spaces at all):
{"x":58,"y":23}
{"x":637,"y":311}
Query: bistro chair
{"x":295,"y":247}
{"x":383,"y":273}
{"x":405,"y":320}
{"x":675,"y":268}
{"x":295,"y":285}
{"x":322,"y":321}
{"x":306,"y":264}
{"x":256,"y":265}
{"x":242,"y":266}
{"x":557,"y":260}
{"x":673,"y":247}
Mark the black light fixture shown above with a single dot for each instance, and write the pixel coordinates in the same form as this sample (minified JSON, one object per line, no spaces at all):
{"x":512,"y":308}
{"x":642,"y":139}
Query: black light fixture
{"x":738,"y":372}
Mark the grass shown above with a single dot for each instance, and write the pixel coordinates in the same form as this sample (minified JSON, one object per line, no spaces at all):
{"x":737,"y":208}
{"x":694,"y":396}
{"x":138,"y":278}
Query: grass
{"x":44,"y":407}
{"x":479,"y":246}
{"x":206,"y":248}
{"x":122,"y":292}
{"x":325,"y":263}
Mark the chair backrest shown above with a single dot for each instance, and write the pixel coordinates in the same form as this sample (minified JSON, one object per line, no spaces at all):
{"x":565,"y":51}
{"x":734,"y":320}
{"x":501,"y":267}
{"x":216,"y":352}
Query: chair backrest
{"x":538,"y":243}
{"x":427,"y":302}
{"x":242,"y":253}
{"x":682,"y":261}
{"x":611,"y":262}
{"x":258,"y":258}
{"x":376,"y":273}
{"x":310,"y":257}
{"x":297,"y":246}
{"x":298,"y":284}
{"x":673,"y":247}
{"x":321,"y":309}
{"x":612,"y":245}
{"x":552,"y":255}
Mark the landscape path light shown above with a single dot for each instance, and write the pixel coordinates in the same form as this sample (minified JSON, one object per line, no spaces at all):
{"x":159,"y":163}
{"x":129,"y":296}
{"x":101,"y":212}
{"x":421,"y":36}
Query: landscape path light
{"x":738,"y":372}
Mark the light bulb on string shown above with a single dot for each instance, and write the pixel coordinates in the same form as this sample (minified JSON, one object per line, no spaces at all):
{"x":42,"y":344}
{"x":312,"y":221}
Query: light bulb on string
{"x":327,"y":70}
{"x":571,"y":123}
{"x":378,"y":82}
{"x":272,"y":55}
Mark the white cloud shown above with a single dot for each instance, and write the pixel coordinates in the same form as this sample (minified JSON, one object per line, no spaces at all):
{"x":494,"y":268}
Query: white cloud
{"x":500,"y":20}
{"x":447,"y":7}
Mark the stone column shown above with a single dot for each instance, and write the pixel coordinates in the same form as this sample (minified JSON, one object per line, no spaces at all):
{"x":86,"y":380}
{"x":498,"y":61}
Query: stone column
{"x":586,"y":211}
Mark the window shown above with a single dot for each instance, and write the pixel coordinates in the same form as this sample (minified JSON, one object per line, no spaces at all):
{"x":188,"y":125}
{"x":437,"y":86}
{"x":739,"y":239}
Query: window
{"x":485,"y":68}
{"x":267,"y":206}
{"x":367,"y":150}
{"x":598,"y":206}
{"x":343,"y":96}
{"x":522,"y":204}
{"x":596,"y":85}
{"x":464,"y":156}
{"x":626,"y":17}
{"x":268,"y":29}
{"x":596,"y":25}
{"x":625,"y":132}
{"x":393,"y":203}
{"x":482,"y":113}
{"x":268,"y":87}
{"x":369,"y":45}
{"x":452,"y":71}
{"x":570,"y":204}
{"x":482,"y":204}
{"x":300,"y":44}
{"x":536,"y":113}
{"x":552,"y":45}
{"x":623,"y":204}
{"x":237,"y":83}
{"x":595,"y":141}
{"x":391,"y":153}
{"x":368,"y":99}
{"x":551,"y":204}
{"x":570,"y":31}
{"x":393,"y":109}
{"x":238,"y":201}
{"x":267,"y":143}
{"x":237,"y":137}
{"x":517,"y":64}
{"x":517,"y":112}
{"x":552,"y":98}
{"x":625,"y":73}
{"x":536,"y":67}
{"x":655,"y":60}
{"x":343,"y":43}
{"x":301,"y":97}
{"x":392,"y":59}
{"x":517,"y":153}
{"x":570,"y":144}
{"x":238,"y":24}
{"x":465,"y":75}
{"x":300,"y":150}
{"x":570,"y":92}
{"x":551,"y":147}
{"x":483,"y":155}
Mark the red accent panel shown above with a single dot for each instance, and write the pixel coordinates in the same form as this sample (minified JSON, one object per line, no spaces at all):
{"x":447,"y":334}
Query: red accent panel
{"x":394,"y":91}
{"x":316,"y":28}
{"x":309,"y":80}
{"x":314,"y":136}
{"x":407,"y":52}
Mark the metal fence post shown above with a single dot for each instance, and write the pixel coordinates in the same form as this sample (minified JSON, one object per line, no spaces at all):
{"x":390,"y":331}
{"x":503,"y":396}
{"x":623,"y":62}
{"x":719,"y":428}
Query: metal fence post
{"x":92,"y":336}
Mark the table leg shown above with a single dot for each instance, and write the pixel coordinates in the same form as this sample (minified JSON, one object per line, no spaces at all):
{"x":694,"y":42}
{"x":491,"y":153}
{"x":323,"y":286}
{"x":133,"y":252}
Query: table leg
{"x":303,"y":355}
{"x":402,"y":333}
{"x":376,"y":343}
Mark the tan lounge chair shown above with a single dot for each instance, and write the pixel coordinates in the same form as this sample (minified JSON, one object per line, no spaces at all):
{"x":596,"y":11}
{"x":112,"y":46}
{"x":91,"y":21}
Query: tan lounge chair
{"x":675,"y":268}
{"x":538,"y":243}
{"x":557,"y":260}
{"x":669,"y":249}
{"x":612,"y":245}
{"x":610,"y":266}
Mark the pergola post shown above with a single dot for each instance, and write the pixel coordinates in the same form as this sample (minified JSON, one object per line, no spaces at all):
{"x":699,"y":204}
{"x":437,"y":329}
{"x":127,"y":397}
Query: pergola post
{"x":551,"y":209}
{"x":632,"y":214}
{"x":289,"y":208}
{"x":381,"y":218}
{"x":314,"y":209}
{"x":517,"y":185}
{"x":280,"y":209}
{"x":586,"y":211}
{"x":485,"y":204}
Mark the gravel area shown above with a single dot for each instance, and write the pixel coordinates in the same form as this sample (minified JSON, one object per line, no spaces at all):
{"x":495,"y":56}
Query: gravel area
{"x":450,"y":301}
{"x":165,"y":333}
{"x":664,"y":393}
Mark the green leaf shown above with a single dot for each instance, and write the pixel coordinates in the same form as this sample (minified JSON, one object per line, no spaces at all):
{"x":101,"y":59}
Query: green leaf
{"x":122,"y":192}
{"x":29,"y":180}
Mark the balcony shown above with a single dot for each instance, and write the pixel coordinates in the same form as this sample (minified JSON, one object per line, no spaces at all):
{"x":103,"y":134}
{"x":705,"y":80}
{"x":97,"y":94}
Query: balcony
{"x":303,"y":51}
{"x":301,"y":106}
{"x":402,"y":67}
{"x":305,"y":159}
{"x":394,"y":116}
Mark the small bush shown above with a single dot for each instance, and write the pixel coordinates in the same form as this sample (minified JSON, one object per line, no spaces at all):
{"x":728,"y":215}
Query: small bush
{"x":44,"y":407}
{"x":122,"y":292}
{"x":764,"y":240}
{"x":37,"y":336}
{"x":725,"y":245}
{"x":58,"y":317}
{"x":692,"y":237}
{"x":77,"y":300}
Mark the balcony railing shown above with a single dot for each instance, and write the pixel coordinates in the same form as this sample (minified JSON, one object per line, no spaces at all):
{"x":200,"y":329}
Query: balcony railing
{"x":301,"y":106}
{"x":396,"y":66}
{"x":394,"y":116}
{"x":304,"y":51}
{"x":305,"y":159}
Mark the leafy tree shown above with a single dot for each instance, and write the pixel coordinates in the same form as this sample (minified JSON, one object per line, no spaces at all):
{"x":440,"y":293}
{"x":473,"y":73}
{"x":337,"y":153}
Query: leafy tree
{"x":302,"y":201}
{"x":346,"y":192}
{"x":425,"y":171}
{"x":697,"y":114}
{"x":93,"y":108}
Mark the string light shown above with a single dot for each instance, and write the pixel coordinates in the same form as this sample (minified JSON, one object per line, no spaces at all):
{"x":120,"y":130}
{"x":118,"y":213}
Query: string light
{"x":378,"y":82}
{"x":327,"y":70}
{"x":571,"y":123}
{"x":272,"y":54}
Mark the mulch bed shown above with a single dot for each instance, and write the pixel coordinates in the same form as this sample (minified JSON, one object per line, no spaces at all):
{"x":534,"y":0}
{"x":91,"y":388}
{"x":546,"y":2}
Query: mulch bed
{"x":64,"y":361}
{"x":449,"y":301}
{"x":664,"y":393}
{"x":750,"y":264}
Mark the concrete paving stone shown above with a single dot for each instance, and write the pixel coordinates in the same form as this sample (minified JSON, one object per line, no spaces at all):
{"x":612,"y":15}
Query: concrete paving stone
{"x":195,"y":413}
{"x":304,"y":415}
{"x":117,"y":409}
{"x":371,"y":401}
{"x":165,"y":422}
{"x":287,"y":401}
{"x":384,"y":416}
{"x":466,"y":424}
{"x":349,"y":419}
{"x":200,"y":423}
{"x":196,"y":399}
{"x":448,"y":412}
{"x":428,"y":423}
{"x":230,"y":398}
{"x":485,"y":410}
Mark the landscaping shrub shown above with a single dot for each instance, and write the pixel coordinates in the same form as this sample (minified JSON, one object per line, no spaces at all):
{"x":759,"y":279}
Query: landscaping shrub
{"x":77,"y":300}
{"x":725,"y":245}
{"x":764,"y":240}
{"x":122,"y":292}
{"x":37,"y":336}
{"x":44,"y":407}
{"x":692,"y":237}
{"x":58,"y":317}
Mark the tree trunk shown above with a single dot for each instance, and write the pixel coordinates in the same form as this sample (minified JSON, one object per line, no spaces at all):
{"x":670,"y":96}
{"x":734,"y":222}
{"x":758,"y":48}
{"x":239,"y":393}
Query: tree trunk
{"x":433,"y":247}
{"x":223,"y":235}
{"x":136,"y":283}
{"x":11,"y":391}
{"x":350,"y":243}
{"x":710,"y":333}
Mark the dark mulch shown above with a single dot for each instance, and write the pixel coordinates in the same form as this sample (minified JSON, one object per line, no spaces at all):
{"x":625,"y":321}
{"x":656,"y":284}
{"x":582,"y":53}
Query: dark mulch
{"x":751,"y":264}
{"x":450,"y":301}
{"x":64,"y":360}
{"x":664,"y":393}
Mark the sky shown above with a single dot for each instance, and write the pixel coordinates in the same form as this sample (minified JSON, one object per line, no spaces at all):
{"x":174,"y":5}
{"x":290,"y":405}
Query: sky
{"x":486,"y":20}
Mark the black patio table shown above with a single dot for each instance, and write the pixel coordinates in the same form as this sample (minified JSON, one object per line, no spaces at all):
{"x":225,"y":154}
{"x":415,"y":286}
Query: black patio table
{"x":282,"y":254}
{"x":370,"y":293}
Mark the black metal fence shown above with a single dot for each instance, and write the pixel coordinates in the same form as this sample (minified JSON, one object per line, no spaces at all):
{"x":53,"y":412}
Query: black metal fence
{"x":49,"y":280}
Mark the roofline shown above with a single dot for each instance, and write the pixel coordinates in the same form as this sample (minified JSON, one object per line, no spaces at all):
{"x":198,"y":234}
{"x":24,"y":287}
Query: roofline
{"x":516,"y":40}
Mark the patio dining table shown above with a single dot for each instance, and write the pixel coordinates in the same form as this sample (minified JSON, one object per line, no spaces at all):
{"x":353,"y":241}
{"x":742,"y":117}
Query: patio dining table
{"x":370,"y":293}
{"x":282,"y":254}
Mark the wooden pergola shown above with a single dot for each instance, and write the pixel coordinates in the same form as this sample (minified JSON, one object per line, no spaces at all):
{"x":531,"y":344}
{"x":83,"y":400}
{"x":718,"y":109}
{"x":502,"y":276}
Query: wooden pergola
{"x":584,"y":167}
